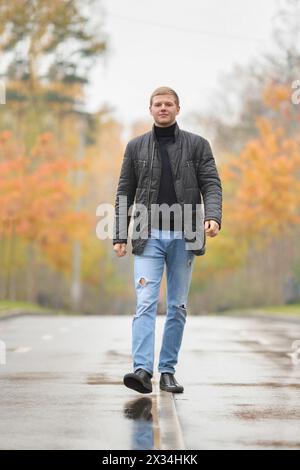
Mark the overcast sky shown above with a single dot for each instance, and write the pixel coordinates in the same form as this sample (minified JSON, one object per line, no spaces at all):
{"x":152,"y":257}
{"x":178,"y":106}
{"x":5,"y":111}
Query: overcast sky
{"x":183,"y":44}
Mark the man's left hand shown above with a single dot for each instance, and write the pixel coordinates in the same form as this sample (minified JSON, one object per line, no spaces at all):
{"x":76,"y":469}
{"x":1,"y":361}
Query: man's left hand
{"x":211,"y":228}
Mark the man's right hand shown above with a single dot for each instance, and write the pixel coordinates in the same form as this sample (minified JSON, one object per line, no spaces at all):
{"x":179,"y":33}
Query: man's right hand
{"x":120,"y":249}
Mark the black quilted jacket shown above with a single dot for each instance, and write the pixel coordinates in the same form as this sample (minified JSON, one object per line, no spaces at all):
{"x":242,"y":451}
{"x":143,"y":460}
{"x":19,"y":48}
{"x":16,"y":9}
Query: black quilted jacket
{"x":196,"y":181}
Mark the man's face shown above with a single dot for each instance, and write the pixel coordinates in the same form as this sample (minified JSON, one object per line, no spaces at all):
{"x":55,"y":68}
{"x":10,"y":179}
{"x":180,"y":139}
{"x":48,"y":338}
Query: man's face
{"x":164,"y":110}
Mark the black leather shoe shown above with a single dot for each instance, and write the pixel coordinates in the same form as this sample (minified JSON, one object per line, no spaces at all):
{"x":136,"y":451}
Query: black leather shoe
{"x":168,"y":383}
{"x":140,"y":381}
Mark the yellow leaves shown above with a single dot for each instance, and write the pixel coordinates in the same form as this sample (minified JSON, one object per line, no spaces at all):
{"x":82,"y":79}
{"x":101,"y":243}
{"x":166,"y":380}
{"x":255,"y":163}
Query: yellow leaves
{"x":40,"y":197}
{"x":5,"y":136}
{"x":277,"y":96}
{"x":270,"y":138}
{"x":267,"y":196}
{"x":83,"y":164}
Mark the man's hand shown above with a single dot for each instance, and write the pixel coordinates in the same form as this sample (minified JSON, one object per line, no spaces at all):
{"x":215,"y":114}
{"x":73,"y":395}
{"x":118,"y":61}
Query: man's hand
{"x":211,"y":228}
{"x":120,"y":249}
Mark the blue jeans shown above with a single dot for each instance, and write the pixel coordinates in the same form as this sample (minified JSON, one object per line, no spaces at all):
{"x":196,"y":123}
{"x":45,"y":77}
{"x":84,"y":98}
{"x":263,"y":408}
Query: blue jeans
{"x":148,"y":272}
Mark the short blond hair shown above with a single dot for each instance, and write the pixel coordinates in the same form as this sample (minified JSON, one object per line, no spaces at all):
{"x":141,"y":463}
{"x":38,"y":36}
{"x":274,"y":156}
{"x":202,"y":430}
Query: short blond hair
{"x":164,"y":90}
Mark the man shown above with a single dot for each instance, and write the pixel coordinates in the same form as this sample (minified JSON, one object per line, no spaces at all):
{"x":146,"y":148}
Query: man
{"x":166,"y":167}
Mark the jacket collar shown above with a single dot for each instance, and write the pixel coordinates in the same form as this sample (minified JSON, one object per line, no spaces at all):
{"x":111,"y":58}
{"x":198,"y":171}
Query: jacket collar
{"x":175,"y":148}
{"x":176,"y":133}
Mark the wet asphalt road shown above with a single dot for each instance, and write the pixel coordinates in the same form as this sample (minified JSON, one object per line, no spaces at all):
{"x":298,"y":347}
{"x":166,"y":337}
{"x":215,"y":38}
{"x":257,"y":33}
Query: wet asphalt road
{"x":62,"y":387}
{"x":242,"y":380}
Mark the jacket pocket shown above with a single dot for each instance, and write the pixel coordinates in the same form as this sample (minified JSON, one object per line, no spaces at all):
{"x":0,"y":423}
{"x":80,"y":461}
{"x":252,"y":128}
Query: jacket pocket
{"x":190,"y":173}
{"x":141,"y":168}
{"x":140,"y":163}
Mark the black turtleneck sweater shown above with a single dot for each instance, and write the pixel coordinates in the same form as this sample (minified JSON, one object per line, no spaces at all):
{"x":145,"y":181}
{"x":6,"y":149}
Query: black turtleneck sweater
{"x":167,"y":195}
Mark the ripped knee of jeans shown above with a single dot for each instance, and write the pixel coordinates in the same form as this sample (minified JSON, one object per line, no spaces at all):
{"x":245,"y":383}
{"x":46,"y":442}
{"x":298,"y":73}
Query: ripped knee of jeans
{"x":142,"y":281}
{"x":182,"y":309}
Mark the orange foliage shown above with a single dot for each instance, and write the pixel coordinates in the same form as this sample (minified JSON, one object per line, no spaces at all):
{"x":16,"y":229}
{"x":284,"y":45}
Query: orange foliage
{"x":278,"y":97}
{"x":265,"y":184}
{"x":37,"y":195}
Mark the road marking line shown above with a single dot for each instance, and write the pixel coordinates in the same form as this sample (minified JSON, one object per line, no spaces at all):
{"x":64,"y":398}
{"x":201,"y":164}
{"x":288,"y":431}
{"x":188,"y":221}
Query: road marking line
{"x":155,"y":423}
{"x":47,"y":337}
{"x":170,"y":431}
{"x":22,"y":349}
{"x":63,"y":329}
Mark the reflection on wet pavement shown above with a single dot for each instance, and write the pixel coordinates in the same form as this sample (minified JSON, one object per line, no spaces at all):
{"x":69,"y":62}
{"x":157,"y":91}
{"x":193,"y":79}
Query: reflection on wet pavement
{"x":142,"y":437}
{"x":103,"y":379}
{"x":242,"y":384}
{"x":241,"y":378}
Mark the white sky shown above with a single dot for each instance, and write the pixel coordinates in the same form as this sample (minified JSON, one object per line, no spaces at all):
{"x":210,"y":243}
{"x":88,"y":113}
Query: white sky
{"x":183,"y":44}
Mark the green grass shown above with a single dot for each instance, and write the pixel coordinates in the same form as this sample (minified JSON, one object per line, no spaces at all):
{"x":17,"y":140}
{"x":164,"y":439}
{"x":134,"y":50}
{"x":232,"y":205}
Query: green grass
{"x":289,"y":310}
{"x":292,"y":309}
{"x":7,"y":306}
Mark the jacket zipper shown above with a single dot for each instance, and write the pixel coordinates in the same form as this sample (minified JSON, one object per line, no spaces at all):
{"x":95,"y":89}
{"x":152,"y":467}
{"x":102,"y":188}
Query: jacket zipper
{"x":175,"y":188}
{"x":153,"y":147}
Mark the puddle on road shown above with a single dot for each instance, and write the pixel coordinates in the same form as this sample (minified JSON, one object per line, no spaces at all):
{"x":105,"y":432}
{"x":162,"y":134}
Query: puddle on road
{"x":102,"y":379}
{"x":267,"y":413}
{"x":117,"y":354}
{"x":32,"y":376}
{"x":267,"y":352}
{"x":274,"y":444}
{"x":271,"y":385}
{"x":145,"y":431}
{"x":139,"y":409}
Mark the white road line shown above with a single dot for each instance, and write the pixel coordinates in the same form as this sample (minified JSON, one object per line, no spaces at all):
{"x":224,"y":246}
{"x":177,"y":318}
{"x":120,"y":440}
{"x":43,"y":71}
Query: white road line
{"x":263,"y":341}
{"x":63,"y":329}
{"x":22,"y":349}
{"x":170,"y":429}
{"x":47,"y":337}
